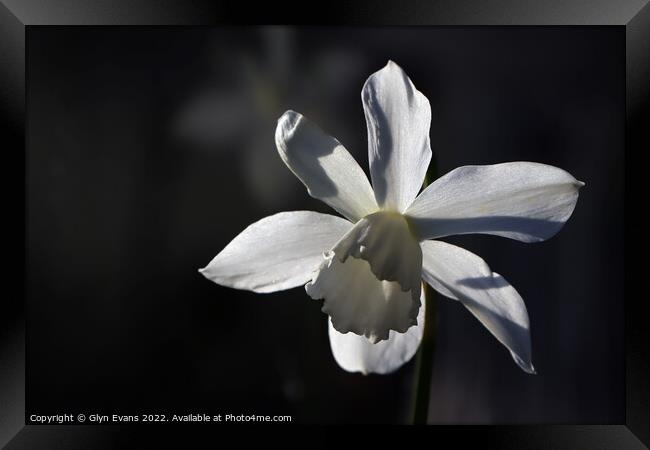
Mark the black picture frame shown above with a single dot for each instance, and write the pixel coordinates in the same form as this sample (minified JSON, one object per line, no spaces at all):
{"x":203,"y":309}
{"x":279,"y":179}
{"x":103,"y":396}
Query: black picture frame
{"x":16,"y":18}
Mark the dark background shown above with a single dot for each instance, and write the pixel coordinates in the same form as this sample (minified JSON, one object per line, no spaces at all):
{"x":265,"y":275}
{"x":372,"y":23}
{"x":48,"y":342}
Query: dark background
{"x":149,"y":150}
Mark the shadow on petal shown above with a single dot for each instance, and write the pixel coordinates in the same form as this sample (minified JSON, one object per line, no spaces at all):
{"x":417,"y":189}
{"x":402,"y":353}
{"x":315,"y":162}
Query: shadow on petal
{"x":519,"y":228}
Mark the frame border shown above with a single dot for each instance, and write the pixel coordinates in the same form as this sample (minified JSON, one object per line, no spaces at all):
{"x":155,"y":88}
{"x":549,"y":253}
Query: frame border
{"x":17,"y":16}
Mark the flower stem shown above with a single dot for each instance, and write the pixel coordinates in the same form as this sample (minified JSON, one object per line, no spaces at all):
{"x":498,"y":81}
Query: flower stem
{"x":426,"y":353}
{"x":425,"y":357}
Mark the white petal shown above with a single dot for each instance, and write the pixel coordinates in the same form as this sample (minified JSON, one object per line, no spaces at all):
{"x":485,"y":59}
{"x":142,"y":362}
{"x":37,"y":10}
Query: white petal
{"x":324,"y":166}
{"x":398,"y":117}
{"x":526,"y":201}
{"x":357,"y":301}
{"x":355,"y":353}
{"x":488,"y":296}
{"x":278,"y":252}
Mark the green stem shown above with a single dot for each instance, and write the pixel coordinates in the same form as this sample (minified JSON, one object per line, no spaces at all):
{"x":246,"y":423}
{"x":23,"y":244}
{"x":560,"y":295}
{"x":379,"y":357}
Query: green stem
{"x":425,"y":357}
{"x":426,"y":353}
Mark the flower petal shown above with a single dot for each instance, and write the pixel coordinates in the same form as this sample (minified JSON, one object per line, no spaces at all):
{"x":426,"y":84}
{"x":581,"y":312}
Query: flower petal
{"x":278,"y":252}
{"x":488,"y":296}
{"x":526,"y":201}
{"x":398,"y":117}
{"x":355,"y":353}
{"x":357,"y":301}
{"x":324,"y":166}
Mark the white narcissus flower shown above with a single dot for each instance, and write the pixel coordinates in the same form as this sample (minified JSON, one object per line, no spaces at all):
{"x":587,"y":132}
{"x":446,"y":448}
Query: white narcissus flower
{"x":368,"y":268}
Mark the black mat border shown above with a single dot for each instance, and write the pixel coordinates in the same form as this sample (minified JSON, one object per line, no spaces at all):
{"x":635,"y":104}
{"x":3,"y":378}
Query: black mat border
{"x":634,"y":15}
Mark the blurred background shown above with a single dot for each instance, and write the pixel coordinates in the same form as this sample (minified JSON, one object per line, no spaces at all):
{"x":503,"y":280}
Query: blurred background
{"x":150,"y":149}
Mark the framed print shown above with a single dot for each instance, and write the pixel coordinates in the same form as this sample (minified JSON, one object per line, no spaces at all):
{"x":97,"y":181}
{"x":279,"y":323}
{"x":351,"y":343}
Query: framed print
{"x":422,"y":214}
